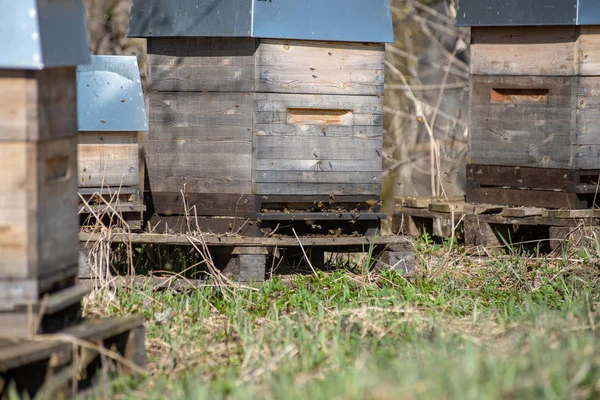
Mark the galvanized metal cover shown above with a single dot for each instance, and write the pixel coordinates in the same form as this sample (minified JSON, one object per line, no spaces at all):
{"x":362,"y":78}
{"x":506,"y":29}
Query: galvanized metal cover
{"x":527,"y":12}
{"x":109,"y":95}
{"x":39,"y":34}
{"x":330,"y":20}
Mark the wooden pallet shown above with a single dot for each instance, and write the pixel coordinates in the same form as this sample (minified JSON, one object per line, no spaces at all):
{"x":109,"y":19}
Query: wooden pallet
{"x":493,"y":226}
{"x":71,"y":360}
{"x":244,"y":258}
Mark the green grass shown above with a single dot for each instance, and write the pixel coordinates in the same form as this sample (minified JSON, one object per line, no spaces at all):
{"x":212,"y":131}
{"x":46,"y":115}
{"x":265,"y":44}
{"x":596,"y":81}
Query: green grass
{"x":508,"y":327}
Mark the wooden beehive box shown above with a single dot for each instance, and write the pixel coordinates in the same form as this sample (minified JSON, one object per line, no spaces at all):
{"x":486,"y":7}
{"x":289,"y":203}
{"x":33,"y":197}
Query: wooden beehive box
{"x":38,"y":150}
{"x":534,"y":97}
{"x":112,"y":121}
{"x":263,"y":110}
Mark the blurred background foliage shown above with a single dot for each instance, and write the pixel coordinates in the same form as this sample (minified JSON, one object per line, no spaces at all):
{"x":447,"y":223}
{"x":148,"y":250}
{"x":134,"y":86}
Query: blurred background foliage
{"x":427,"y":79}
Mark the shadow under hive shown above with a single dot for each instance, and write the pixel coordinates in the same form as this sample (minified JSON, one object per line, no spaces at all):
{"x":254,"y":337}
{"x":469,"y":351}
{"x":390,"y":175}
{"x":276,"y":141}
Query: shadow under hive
{"x":257,"y":119}
{"x":534,"y":97}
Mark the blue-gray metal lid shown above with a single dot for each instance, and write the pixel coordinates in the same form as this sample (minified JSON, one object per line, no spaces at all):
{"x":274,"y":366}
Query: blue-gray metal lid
{"x":326,"y":20}
{"x":109,"y":95}
{"x":40,"y":34}
{"x":527,"y":12}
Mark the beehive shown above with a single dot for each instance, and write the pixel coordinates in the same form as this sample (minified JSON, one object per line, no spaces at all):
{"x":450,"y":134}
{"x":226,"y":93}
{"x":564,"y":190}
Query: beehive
{"x":254,"y":102}
{"x":38,"y":147}
{"x":534,"y":96}
{"x":111,"y":121}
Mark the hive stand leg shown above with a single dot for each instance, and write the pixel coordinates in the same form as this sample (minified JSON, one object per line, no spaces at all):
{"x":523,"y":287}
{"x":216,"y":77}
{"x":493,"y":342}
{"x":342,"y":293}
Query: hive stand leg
{"x":247,"y":264}
{"x":478,"y":233}
{"x":399,"y":258}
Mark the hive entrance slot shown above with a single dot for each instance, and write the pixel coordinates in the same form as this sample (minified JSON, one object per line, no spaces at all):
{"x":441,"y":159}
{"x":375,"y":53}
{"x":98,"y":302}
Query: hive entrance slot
{"x":313,"y":116}
{"x":57,"y":169}
{"x":520,"y":96}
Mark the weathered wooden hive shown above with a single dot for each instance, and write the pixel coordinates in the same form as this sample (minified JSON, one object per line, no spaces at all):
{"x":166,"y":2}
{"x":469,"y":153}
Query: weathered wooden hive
{"x":534,"y":102}
{"x":39,"y":244}
{"x":111,"y":119}
{"x":263,"y":106}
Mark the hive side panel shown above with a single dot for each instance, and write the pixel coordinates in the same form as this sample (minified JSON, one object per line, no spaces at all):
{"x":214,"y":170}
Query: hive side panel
{"x":56,"y":103}
{"x":199,"y":143}
{"x":287,"y":66}
{"x":108,"y":159}
{"x":18,"y":205}
{"x":550,"y":50}
{"x":522,"y":120}
{"x":16,"y":116}
{"x":57,"y":214}
{"x":317,"y":144}
{"x":193,"y":64}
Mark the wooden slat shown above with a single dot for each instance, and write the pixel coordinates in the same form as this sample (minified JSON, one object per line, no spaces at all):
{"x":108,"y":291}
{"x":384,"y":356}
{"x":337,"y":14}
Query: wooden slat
{"x":236,"y":241}
{"x":316,"y":216}
{"x":373,"y":165}
{"x":221,"y":204}
{"x":526,"y":198}
{"x":316,"y":188}
{"x":520,"y":177}
{"x":521,"y":212}
{"x":315,"y":177}
{"x":286,"y":130}
{"x":586,"y":156}
{"x":547,"y":50}
{"x":108,"y":159}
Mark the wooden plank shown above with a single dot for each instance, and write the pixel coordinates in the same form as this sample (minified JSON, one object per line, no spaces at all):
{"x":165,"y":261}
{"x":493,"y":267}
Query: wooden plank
{"x":520,"y":177}
{"x":446,"y":207}
{"x":212,"y":204}
{"x":320,"y":67}
{"x":526,"y":198}
{"x":320,"y":216}
{"x":589,"y":213}
{"x":315,"y":177}
{"x":196,"y":64}
{"x":108,"y":159}
{"x":238,"y":241}
{"x":316,"y":188}
{"x":373,"y":165}
{"x":179,"y":224}
{"x":334,"y":131}
{"x":589,"y":50}
{"x":520,"y":212}
{"x":519,"y":50}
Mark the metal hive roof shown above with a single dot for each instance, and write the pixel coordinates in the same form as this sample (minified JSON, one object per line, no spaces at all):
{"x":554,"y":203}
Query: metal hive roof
{"x":109,"y":95}
{"x":331,"y":20}
{"x":527,"y":12}
{"x":42,"y":33}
